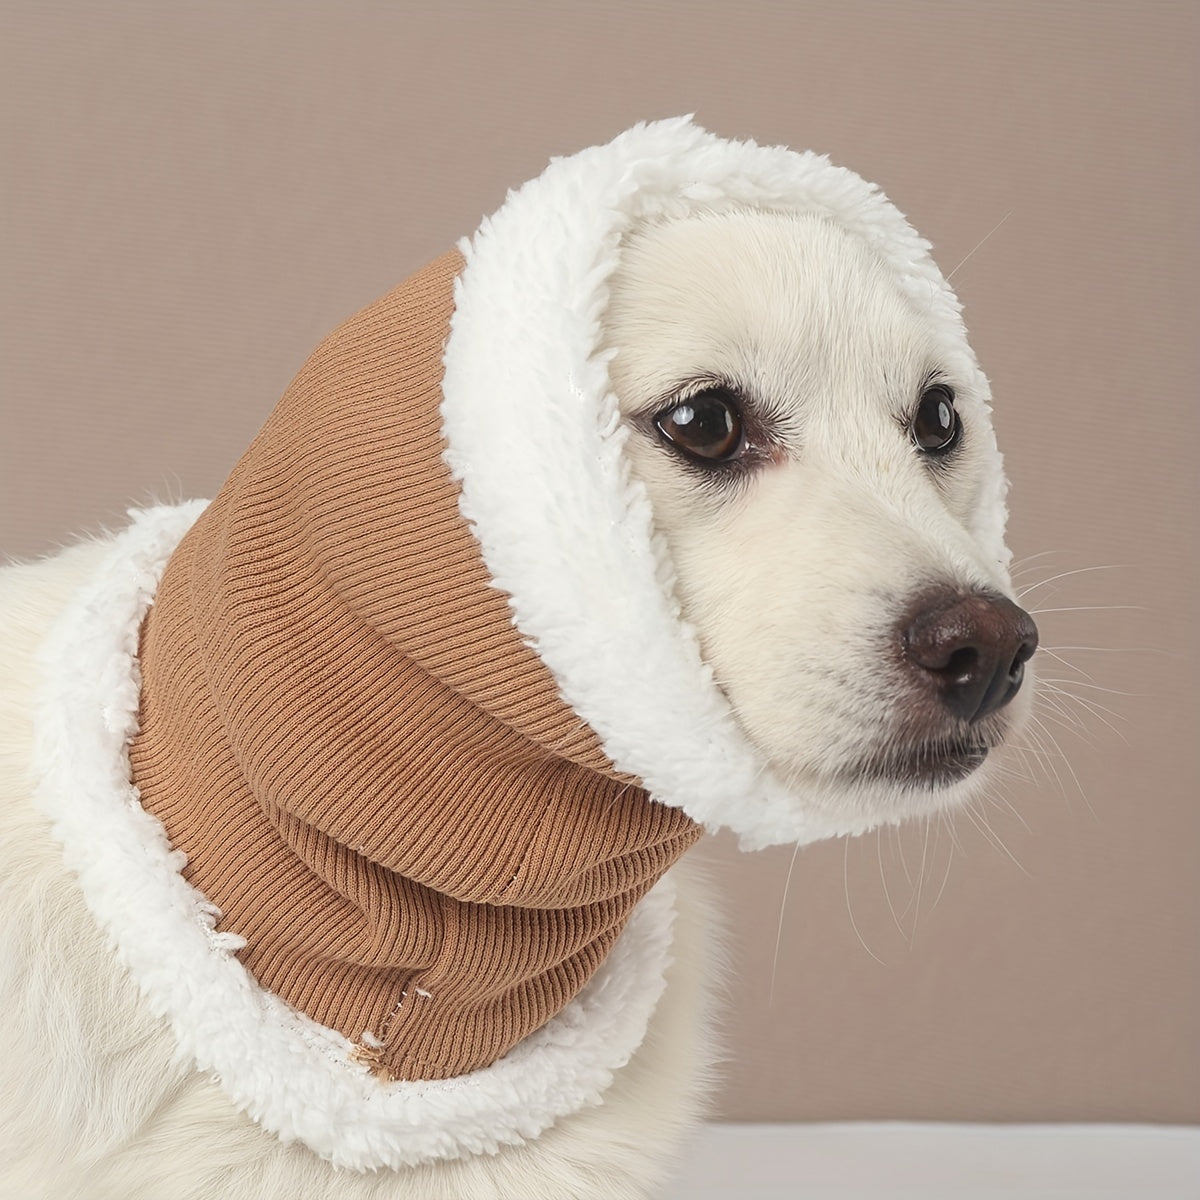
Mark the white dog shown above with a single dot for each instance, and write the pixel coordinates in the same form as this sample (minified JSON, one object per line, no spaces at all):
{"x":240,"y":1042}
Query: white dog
{"x":715,"y":426}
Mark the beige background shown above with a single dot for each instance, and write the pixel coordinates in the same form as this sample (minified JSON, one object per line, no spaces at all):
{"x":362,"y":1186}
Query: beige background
{"x":195,"y":193}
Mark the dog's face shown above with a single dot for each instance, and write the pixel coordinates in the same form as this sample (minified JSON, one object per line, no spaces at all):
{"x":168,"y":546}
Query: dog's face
{"x":815,"y":459}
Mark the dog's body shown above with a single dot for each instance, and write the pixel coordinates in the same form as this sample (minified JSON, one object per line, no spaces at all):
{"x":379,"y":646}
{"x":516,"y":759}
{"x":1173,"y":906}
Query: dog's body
{"x":777,"y":389}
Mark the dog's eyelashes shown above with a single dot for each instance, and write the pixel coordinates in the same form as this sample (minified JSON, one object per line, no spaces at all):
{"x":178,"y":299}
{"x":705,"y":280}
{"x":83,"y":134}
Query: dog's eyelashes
{"x":706,"y":427}
{"x":936,"y":427}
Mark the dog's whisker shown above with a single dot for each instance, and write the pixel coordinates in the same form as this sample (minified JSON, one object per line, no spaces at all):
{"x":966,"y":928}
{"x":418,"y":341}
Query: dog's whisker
{"x":1113,"y":649}
{"x":1024,"y":592}
{"x":949,"y":827}
{"x":916,"y":899}
{"x":1029,"y":563}
{"x":1071,"y":710}
{"x":1045,"y":720}
{"x":887,"y":895}
{"x":898,"y":839}
{"x":1051,"y":679}
{"x":1038,"y":734}
{"x":1036,"y":752}
{"x":1026,"y":768}
{"x":952,"y":829}
{"x":1049,"y":703}
{"x":980,"y":821}
{"x":1087,"y":702}
{"x":1041,"y":612}
{"x":927,"y":859}
{"x":787,"y":883}
{"x":1004,"y":804}
{"x":1017,"y":767}
{"x":1099,"y":711}
{"x":1070,"y":666}
{"x":1064,"y":689}
{"x":963,"y":261}
{"x":1039,"y":725}
{"x":850,"y":907}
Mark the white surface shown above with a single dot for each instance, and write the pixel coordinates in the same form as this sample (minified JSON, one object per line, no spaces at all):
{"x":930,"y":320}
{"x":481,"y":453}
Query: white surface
{"x":902,"y":1161}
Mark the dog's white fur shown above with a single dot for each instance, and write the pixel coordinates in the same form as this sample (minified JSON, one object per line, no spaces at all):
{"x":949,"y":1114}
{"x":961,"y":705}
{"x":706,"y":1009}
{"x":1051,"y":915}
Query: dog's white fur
{"x":797,"y":577}
{"x":793,"y":580}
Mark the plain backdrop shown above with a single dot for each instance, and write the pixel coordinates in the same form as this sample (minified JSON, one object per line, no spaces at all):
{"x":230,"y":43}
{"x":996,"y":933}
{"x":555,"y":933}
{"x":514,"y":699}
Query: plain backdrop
{"x":194,"y":193}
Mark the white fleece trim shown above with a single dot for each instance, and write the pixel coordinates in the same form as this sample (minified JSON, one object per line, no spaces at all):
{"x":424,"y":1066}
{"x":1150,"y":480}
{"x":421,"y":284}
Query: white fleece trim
{"x":535,"y":443}
{"x":292,"y":1075}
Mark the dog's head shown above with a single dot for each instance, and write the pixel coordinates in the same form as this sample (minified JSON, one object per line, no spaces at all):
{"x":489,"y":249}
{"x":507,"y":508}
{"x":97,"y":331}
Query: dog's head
{"x":817,"y":459}
{"x":724,"y":444}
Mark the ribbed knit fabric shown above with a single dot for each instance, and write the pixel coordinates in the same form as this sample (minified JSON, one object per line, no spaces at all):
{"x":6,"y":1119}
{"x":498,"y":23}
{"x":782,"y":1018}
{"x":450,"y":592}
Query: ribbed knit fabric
{"x":372,"y":776}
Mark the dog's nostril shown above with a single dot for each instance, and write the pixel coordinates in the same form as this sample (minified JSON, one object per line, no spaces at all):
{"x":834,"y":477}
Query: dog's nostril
{"x":961,"y":663}
{"x":1016,"y":672}
{"x":972,"y":649}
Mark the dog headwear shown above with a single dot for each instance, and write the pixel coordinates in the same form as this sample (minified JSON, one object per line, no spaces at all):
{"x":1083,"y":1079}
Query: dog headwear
{"x":372,"y":775}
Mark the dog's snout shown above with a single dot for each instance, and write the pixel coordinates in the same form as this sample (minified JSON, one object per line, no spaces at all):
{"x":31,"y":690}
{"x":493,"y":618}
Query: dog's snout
{"x":972,"y":649}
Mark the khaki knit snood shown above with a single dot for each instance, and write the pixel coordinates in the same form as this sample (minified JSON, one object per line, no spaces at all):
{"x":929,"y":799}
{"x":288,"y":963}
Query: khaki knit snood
{"x":372,"y":776}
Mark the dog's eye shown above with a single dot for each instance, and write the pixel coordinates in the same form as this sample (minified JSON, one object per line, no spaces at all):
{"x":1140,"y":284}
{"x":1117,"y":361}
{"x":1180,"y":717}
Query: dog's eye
{"x":707,"y":426}
{"x":936,"y":427}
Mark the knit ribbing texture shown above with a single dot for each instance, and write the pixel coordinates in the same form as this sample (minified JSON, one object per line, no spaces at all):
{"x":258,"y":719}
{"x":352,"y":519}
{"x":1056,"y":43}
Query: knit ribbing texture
{"x":372,"y":775}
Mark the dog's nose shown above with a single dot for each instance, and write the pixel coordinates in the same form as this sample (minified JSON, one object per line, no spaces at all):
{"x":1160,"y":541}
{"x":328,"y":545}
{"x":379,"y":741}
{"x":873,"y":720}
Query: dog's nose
{"x":972,"y":648}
